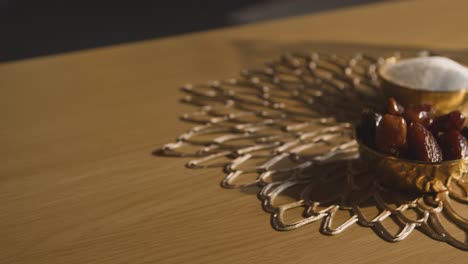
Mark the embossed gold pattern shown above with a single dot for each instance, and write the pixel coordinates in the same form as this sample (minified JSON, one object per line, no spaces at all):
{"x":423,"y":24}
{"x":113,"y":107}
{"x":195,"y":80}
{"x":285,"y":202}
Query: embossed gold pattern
{"x":413,"y":175}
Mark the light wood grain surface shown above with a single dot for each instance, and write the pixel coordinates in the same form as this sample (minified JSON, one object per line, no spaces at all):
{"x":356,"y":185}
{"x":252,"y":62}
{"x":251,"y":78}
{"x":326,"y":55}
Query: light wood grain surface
{"x":78,"y":183}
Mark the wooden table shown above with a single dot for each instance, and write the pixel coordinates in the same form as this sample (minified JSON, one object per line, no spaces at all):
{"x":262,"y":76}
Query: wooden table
{"x":78,"y":183}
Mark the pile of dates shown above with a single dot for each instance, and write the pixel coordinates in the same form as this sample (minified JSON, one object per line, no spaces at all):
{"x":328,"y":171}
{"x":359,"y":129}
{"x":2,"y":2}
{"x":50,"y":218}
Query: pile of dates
{"x":414,"y":132}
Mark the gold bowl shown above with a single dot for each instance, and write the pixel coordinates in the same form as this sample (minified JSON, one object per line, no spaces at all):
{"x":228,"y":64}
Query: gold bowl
{"x":411,"y":175}
{"x":443,"y":101}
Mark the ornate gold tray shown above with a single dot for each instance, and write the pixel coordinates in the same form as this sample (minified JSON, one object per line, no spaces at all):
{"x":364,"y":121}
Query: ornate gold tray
{"x":286,"y":131}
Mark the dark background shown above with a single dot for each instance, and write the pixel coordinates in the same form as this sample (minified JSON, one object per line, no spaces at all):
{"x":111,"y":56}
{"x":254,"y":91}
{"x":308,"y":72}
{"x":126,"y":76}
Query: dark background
{"x":32,"y":28}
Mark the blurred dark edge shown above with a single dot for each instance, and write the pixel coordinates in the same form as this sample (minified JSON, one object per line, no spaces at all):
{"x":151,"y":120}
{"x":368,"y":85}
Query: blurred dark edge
{"x":31,"y":28}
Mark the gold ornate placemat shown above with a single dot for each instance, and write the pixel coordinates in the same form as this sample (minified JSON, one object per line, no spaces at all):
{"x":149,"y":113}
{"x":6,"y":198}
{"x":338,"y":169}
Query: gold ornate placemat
{"x":286,"y":131}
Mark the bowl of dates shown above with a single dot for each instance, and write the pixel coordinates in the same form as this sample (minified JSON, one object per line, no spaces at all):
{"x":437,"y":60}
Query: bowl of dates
{"x":412,"y":147}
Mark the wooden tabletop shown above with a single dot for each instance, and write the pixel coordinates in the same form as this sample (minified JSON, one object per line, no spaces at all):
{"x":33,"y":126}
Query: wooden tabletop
{"x":78,"y":183}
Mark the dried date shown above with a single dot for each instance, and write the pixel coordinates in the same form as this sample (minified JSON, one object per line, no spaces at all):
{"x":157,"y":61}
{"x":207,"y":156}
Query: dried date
{"x":454,"y":145}
{"x":368,"y":126}
{"x":422,"y":144}
{"x":423,"y":114}
{"x":394,"y":108}
{"x":390,"y":136}
{"x":451,"y":121}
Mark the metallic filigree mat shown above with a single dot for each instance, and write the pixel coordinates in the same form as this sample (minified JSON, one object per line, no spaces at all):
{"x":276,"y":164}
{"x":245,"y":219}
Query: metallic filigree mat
{"x":288,"y":129}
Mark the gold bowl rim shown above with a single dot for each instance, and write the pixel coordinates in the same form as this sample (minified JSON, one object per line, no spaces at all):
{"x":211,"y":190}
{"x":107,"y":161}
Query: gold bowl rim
{"x":393,"y":60}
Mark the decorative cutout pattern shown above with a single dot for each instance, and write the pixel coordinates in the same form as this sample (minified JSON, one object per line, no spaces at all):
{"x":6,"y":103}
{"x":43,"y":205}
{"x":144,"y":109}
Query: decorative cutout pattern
{"x":288,"y":129}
